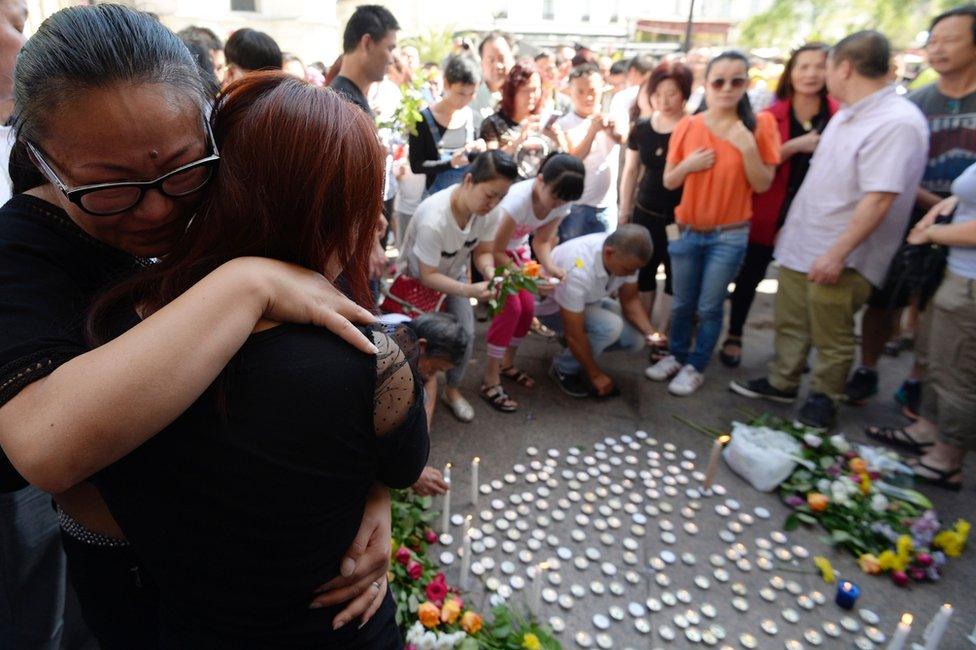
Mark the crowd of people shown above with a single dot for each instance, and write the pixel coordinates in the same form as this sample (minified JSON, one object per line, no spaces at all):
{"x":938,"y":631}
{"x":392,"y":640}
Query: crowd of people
{"x":196,"y":273}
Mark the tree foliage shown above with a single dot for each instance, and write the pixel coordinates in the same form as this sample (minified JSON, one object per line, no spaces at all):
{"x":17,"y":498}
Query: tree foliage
{"x":434,"y":45}
{"x":789,"y":23}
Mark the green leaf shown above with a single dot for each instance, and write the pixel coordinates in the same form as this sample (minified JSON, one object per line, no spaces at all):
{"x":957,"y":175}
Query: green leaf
{"x":792,"y":522}
{"x":805,"y":518}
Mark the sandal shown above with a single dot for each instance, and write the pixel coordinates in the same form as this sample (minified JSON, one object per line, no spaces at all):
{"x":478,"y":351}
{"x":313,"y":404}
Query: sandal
{"x":941,"y":478}
{"x":518,"y":375}
{"x":731,"y":360}
{"x":498,"y":399}
{"x":897,"y":437}
{"x":542,"y":330}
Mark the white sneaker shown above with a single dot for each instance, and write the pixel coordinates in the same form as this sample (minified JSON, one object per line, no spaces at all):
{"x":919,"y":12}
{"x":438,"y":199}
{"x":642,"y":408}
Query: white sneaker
{"x":686,"y":382}
{"x":664,"y":369}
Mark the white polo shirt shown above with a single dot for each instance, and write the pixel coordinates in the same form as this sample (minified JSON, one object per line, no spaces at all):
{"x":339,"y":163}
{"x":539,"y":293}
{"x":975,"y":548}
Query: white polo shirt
{"x":878,"y":144}
{"x":587,"y":280}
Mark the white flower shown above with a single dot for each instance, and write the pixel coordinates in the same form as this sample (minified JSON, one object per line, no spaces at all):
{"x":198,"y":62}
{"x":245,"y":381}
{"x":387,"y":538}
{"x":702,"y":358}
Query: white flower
{"x":446,"y":642}
{"x":427,"y":642}
{"x":823,"y":486}
{"x":879,"y":503}
{"x":840,"y":443}
{"x":812,"y":439}
{"x":496,"y":600}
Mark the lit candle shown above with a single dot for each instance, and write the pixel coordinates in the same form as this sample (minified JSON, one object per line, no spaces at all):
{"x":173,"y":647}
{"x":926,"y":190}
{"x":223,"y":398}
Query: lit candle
{"x":937,"y":627}
{"x":847,"y":595}
{"x":466,"y":554}
{"x":535,"y":601}
{"x":712,"y":468}
{"x":446,"y":509}
{"x":474,"y":480}
{"x":900,"y":636}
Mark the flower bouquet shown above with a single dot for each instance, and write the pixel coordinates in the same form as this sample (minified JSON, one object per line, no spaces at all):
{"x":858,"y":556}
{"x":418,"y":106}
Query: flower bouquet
{"x":509,"y":279}
{"x":861,"y":495}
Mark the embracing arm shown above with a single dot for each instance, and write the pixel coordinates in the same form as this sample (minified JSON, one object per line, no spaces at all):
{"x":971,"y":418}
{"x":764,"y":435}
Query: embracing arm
{"x":628,"y":181}
{"x":101,"y":405}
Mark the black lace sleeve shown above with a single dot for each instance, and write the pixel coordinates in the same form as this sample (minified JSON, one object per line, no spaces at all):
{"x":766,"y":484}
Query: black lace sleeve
{"x":399,"y":419}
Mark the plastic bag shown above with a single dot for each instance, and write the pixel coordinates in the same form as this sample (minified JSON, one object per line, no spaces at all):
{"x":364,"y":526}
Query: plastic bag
{"x":763,"y":456}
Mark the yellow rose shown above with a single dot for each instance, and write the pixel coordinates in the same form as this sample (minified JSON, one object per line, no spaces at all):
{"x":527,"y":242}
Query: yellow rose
{"x":887,"y":560}
{"x":953,"y":541}
{"x":450,"y":611}
{"x":471,"y":622}
{"x":826,"y":569}
{"x":869,"y":563}
{"x":858,"y":465}
{"x":531,"y":642}
{"x":904,"y":546}
{"x":429,"y":615}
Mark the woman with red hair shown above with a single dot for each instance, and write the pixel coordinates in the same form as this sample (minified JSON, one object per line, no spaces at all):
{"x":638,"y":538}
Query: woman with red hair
{"x":242,"y":506}
{"x":520,"y":107}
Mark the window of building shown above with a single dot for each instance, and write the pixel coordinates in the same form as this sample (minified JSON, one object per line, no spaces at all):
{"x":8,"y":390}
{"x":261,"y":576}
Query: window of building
{"x":547,"y":9}
{"x":243,"y":5}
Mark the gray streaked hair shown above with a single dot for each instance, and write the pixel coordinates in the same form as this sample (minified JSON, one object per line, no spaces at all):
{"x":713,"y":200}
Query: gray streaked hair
{"x":631,"y":239}
{"x":444,"y":335}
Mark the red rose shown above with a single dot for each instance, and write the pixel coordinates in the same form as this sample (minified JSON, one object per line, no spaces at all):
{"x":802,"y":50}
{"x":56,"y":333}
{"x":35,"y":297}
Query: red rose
{"x":402,"y":556}
{"x":414,"y":570}
{"x":436,"y":591}
{"x":900,"y":578}
{"x":924,"y":559}
{"x":430,"y":536}
{"x":916,"y":573}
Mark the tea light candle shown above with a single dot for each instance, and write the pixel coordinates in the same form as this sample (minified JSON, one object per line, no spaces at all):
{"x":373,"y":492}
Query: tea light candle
{"x":446,"y":508}
{"x":847,"y":595}
{"x":474,"y":480}
{"x":900,"y":636}
{"x":937,"y":627}
{"x":466,"y":554}
{"x":712,"y":468}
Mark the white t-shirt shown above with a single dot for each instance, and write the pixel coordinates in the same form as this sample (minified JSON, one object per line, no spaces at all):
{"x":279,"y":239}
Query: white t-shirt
{"x":587,"y":279}
{"x":434,"y":238}
{"x":600,"y":163}
{"x":518,"y":205}
{"x":620,"y":105}
{"x":6,"y":145}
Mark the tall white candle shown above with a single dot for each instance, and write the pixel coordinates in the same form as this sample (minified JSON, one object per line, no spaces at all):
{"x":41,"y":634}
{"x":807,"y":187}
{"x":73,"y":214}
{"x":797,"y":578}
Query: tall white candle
{"x":935,"y":630}
{"x":900,"y":636}
{"x":446,"y":508}
{"x":474,"y":480}
{"x":466,"y":554}
{"x":712,"y":468}
{"x":535,"y":599}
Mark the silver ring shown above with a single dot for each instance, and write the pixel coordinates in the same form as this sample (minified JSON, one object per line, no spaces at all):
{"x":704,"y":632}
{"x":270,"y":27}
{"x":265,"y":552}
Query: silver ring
{"x":376,"y":583}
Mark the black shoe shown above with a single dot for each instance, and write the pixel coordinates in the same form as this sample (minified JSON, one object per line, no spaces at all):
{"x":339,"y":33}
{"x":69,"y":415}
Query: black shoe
{"x":818,"y":412}
{"x":761,"y":389}
{"x":572,"y":385}
{"x":862,"y":385}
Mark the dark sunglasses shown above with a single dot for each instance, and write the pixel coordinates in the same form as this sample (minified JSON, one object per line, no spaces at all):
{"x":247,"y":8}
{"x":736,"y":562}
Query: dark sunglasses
{"x":107,"y":199}
{"x":735,"y":83}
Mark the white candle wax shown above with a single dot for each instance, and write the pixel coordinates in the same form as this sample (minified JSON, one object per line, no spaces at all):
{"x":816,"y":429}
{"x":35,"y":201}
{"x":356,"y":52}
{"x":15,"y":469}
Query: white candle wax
{"x":466,"y":555}
{"x":937,"y":628}
{"x":713,"y":461}
{"x":446,"y":508}
{"x":900,"y":636}
{"x":474,"y":480}
{"x":535,"y":601}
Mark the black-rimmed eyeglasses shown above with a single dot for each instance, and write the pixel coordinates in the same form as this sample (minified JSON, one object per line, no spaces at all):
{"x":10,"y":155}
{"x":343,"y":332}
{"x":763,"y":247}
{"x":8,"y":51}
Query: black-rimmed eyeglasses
{"x":107,"y":199}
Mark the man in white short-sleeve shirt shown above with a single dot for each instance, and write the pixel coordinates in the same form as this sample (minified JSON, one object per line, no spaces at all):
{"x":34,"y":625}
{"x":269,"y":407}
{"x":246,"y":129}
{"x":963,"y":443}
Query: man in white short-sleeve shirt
{"x":593,"y":139}
{"x":581,"y":307}
{"x":844,"y":226}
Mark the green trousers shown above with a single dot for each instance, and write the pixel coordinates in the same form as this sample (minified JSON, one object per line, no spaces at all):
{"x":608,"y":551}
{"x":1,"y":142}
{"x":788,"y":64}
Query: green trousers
{"x":820,"y":316}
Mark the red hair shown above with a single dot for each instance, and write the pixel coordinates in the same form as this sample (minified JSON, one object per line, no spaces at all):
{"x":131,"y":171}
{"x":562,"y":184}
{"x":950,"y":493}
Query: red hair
{"x":518,"y":76}
{"x":300,"y":180}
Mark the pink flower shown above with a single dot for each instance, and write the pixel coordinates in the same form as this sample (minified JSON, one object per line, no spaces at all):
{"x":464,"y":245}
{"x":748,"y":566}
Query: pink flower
{"x":436,"y":591}
{"x":900,"y":578}
{"x":924,"y":559}
{"x":410,"y":646}
{"x":430,"y":536}
{"x":402,"y":555}
{"x":916,"y":573}
{"x":414,"y":570}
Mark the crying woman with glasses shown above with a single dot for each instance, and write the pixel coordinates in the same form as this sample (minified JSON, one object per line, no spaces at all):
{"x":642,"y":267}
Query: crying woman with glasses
{"x":220,"y":437}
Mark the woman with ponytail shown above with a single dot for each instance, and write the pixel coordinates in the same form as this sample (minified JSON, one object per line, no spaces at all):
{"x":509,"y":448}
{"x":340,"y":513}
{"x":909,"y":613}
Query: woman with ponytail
{"x":721,"y":156}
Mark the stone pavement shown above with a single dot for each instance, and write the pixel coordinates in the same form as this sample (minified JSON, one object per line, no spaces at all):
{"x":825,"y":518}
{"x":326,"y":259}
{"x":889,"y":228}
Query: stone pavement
{"x":548,"y":419}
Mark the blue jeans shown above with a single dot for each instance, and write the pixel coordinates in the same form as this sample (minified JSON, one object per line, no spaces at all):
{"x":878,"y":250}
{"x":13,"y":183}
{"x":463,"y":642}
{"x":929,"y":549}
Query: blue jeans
{"x":702,"y":266}
{"x":582,"y":220}
{"x":605,"y":329}
{"x":33,"y":576}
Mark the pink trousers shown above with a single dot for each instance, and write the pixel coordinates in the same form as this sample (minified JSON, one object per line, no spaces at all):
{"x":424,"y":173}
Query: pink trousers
{"x":510,"y":326}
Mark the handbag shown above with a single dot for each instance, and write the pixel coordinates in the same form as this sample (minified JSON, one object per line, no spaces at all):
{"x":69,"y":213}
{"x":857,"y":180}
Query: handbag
{"x":410,"y":297}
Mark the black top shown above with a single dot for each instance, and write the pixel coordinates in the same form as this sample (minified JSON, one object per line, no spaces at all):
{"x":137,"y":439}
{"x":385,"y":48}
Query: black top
{"x":50,"y":270}
{"x":652,"y":146}
{"x":239,"y":512}
{"x":800,"y":162}
{"x":345,"y":87}
{"x":424,"y":151}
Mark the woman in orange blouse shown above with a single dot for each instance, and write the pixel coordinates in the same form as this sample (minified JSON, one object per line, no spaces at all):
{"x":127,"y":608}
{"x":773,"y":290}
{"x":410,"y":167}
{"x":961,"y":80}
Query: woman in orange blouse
{"x":721,"y":156}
